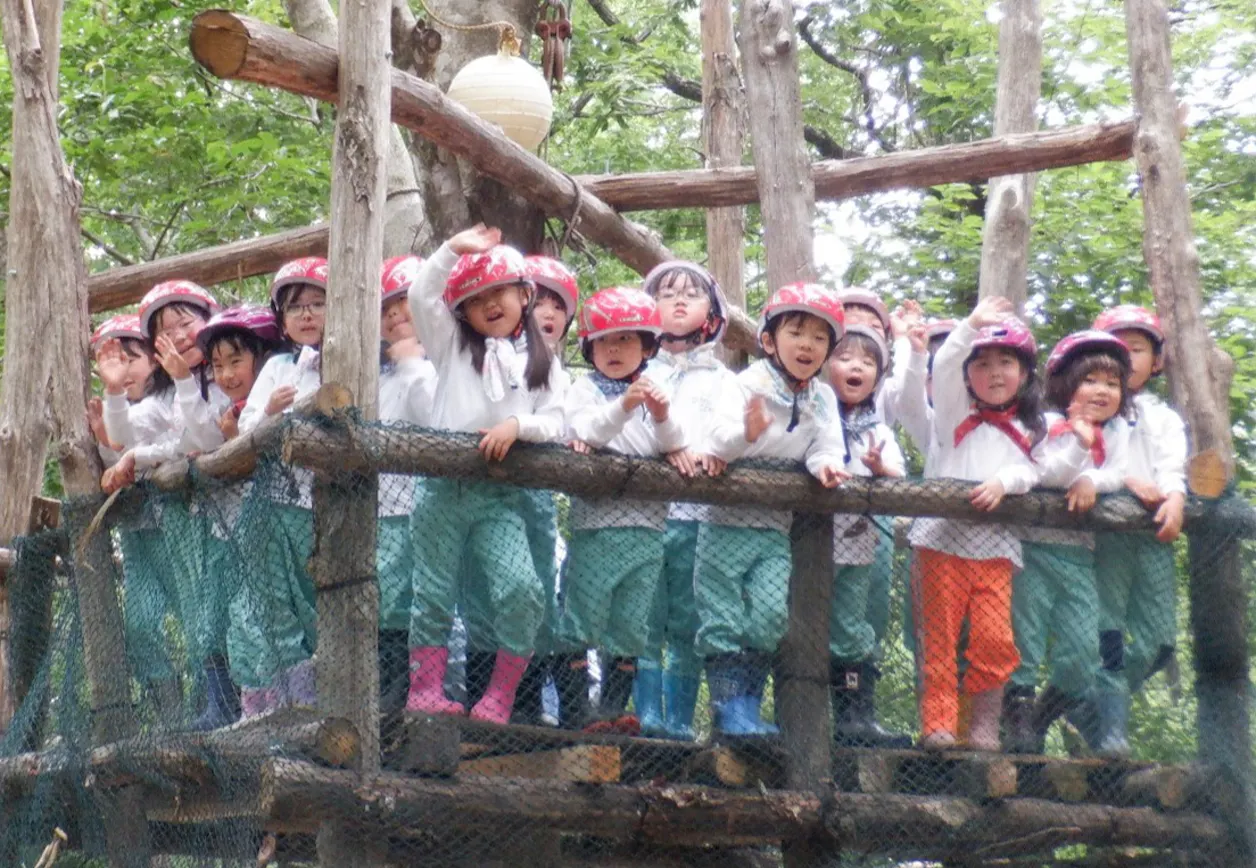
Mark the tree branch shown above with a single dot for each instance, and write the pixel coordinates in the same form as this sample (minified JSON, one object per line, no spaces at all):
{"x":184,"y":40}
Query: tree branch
{"x":861,"y":76}
{"x":113,"y":252}
{"x":609,"y":18}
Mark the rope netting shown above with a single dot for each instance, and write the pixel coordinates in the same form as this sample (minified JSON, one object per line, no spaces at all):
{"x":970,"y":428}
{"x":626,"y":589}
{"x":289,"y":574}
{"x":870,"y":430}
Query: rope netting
{"x":604,"y":679}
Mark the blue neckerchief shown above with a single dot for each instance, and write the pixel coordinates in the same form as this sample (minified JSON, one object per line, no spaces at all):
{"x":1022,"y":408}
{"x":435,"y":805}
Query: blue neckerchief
{"x":765,"y":379}
{"x":608,"y":387}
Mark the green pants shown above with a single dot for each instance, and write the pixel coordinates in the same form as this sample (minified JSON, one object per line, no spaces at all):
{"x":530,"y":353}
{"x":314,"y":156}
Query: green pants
{"x":741,"y":585}
{"x":224,"y":574}
{"x":880,"y":584}
{"x":851,"y":635}
{"x":187,"y":546}
{"x":146,"y":600}
{"x":466,"y":529}
{"x":394,"y":567}
{"x":273,"y":618}
{"x":674,"y":619}
{"x":611,"y":579}
{"x":1137,"y":582}
{"x":1054,"y":602}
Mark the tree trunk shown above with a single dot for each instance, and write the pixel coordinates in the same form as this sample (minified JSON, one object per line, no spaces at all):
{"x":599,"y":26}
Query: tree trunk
{"x":1009,"y":198}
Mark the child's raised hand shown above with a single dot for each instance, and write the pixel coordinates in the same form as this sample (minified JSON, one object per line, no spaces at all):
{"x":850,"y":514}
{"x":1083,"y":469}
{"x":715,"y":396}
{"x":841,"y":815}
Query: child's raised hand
{"x":170,"y":359}
{"x":280,"y":399}
{"x":1145,"y":490}
{"x":477,"y":239}
{"x":988,"y":495}
{"x":120,"y":475}
{"x":656,"y":401}
{"x":229,"y":424}
{"x":406,"y":348}
{"x":917,"y":336}
{"x":872,"y":457}
{"x":831,"y":476}
{"x":96,"y":422}
{"x":904,"y":317}
{"x":1169,"y":517}
{"x":111,"y":365}
{"x":757,"y":418}
{"x":1082,"y":427}
{"x":635,"y":396}
{"x":1082,"y":494}
{"x":497,"y":440}
{"x":991,"y":310}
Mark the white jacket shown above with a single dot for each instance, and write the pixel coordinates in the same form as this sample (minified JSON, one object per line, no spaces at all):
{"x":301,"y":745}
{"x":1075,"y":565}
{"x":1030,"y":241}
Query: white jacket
{"x":168,"y":426}
{"x":603,"y":423}
{"x":1158,"y":444}
{"x":855,"y":537}
{"x":406,"y":390}
{"x":296,"y":486}
{"x":817,"y":440}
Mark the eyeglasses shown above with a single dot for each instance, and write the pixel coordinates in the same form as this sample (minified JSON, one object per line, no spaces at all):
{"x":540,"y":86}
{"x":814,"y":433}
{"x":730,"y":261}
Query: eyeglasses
{"x":174,"y":328}
{"x":689,"y":293}
{"x":314,"y":308}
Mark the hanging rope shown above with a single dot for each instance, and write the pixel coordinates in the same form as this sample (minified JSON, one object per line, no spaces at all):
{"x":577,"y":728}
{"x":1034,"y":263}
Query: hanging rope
{"x":508,"y":40}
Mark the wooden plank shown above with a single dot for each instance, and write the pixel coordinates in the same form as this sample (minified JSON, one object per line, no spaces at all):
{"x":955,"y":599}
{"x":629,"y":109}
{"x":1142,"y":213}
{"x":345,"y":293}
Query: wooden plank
{"x":589,"y":763}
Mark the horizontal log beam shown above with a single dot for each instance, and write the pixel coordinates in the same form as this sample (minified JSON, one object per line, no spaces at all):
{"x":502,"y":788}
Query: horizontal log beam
{"x":119,"y":287}
{"x":776,"y":486}
{"x":844,"y":179}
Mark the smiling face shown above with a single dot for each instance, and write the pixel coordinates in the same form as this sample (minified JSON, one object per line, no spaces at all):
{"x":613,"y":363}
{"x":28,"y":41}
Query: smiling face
{"x":800,"y":342}
{"x":304,"y":315}
{"x":496,"y":312}
{"x":995,"y":375}
{"x":550,"y":316}
{"x":853,"y":371}
{"x":181,"y":323}
{"x":1144,"y":360}
{"x":395,"y":321}
{"x":139,"y":366}
{"x":235,"y":367}
{"x":618,"y":355}
{"x":1099,"y":394}
{"x":683,"y":305}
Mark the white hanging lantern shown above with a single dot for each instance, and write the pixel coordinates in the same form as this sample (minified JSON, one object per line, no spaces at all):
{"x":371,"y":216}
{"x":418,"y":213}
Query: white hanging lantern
{"x":506,"y":90}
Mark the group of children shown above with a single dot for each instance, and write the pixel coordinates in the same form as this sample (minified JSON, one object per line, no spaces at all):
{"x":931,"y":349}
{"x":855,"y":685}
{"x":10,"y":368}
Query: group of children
{"x":666,"y":592}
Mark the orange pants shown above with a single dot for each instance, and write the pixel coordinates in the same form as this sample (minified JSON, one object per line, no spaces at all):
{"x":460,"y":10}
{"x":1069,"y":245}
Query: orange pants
{"x":946,"y":590}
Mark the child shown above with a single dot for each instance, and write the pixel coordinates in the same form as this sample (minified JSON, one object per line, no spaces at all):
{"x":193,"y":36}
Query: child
{"x":1137,"y":591}
{"x":1054,"y":595}
{"x":556,"y":295}
{"x":470,"y":303}
{"x":855,"y":371}
{"x":271,"y":637}
{"x":987,"y":422}
{"x":781,"y":409}
{"x":236,"y":342}
{"x":616,"y":553}
{"x":407,"y":386}
{"x":694,"y":315}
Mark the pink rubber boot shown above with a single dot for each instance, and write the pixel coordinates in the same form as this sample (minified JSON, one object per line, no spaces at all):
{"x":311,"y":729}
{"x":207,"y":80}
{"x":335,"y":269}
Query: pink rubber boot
{"x":499,"y":699}
{"x":256,"y":701}
{"x":427,"y":678}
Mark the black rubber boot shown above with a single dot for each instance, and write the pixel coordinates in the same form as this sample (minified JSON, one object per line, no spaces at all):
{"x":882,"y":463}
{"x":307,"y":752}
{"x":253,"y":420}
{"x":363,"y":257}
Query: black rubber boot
{"x":222,"y":697}
{"x":394,"y":682}
{"x":528,"y":697}
{"x":1051,"y":704}
{"x":571,"y":680}
{"x":479,"y":671}
{"x":853,"y":689}
{"x":1019,"y":734}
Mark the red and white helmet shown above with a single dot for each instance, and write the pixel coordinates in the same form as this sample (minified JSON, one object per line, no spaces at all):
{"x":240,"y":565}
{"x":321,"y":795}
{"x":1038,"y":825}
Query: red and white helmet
{"x":809,"y":298}
{"x":255,"y":318}
{"x":307,"y":269}
{"x":618,"y":309}
{"x":1011,"y":334}
{"x":940,"y":328}
{"x":476,"y":272}
{"x":124,"y":325}
{"x":396,"y":276}
{"x":702,"y":277}
{"x":883,"y":349}
{"x":550,"y":273}
{"x":867,"y":298}
{"x":1078,"y":342}
{"x":1131,"y":316}
{"x":173,"y":292}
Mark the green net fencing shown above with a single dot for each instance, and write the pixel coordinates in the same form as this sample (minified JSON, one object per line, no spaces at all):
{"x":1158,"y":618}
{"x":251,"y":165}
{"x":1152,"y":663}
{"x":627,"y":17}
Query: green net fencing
{"x":571,"y":671}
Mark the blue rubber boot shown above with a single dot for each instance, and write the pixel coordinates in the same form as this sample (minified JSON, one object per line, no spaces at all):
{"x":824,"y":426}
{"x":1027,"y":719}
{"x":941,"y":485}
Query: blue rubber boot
{"x":680,"y":695}
{"x":1114,"y":714}
{"x":731,"y":710}
{"x":647,"y":698}
{"x":222,"y":698}
{"x":757,"y":668}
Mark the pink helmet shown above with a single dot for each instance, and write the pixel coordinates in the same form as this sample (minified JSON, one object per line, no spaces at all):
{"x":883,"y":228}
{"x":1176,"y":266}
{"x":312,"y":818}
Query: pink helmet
{"x":173,"y":292}
{"x":550,"y":273}
{"x":1131,"y":316}
{"x":939,"y":328}
{"x":703,"y":278}
{"x":476,"y":272}
{"x":307,"y":269}
{"x":255,"y":318}
{"x":873,"y":335}
{"x":809,"y":298}
{"x":396,"y":275}
{"x":867,"y":298}
{"x":124,"y":325}
{"x":1090,"y":339}
{"x":618,"y":309}
{"x":1011,"y":334}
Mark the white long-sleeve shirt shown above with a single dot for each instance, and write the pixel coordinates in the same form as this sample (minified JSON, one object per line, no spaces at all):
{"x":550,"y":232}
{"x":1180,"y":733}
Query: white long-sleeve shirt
{"x":890,"y":394}
{"x":406,"y":390}
{"x":914,"y":412}
{"x":816,"y":440}
{"x":694,"y":379}
{"x":1158,"y":444}
{"x":602,"y":422}
{"x":296,"y":485}
{"x":167,"y":426}
{"x":461,"y":402}
{"x":855,"y":537}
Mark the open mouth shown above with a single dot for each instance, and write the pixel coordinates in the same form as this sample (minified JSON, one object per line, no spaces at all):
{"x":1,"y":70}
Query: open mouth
{"x":549,"y":329}
{"x":805,"y":361}
{"x":855,"y":382}
{"x":494,"y":316}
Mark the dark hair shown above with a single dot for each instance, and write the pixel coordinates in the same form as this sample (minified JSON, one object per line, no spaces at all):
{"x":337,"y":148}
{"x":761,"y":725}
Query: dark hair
{"x":241,"y":340}
{"x":1028,"y":400}
{"x":1063,"y":383}
{"x":135,"y":347}
{"x":799,"y":316}
{"x":179,"y":307}
{"x":159,"y":382}
{"x":546,"y":292}
{"x":287,"y":294}
{"x":935,"y":343}
{"x":700,"y":277}
{"x":536,"y":372}
{"x":649,"y":347}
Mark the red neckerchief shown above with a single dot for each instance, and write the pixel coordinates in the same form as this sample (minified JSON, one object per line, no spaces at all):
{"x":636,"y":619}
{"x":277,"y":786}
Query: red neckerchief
{"x":1003,"y":420}
{"x":1097,"y":451}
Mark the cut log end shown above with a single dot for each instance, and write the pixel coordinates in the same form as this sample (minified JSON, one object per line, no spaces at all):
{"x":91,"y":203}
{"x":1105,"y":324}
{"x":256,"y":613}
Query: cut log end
{"x":219,"y":42}
{"x":332,"y":398}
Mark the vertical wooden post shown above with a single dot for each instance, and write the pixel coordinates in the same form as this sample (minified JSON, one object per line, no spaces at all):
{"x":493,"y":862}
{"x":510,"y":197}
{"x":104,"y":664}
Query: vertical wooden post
{"x":723,"y":140}
{"x":787,"y":200}
{"x":1009,"y":199}
{"x":343,"y":564}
